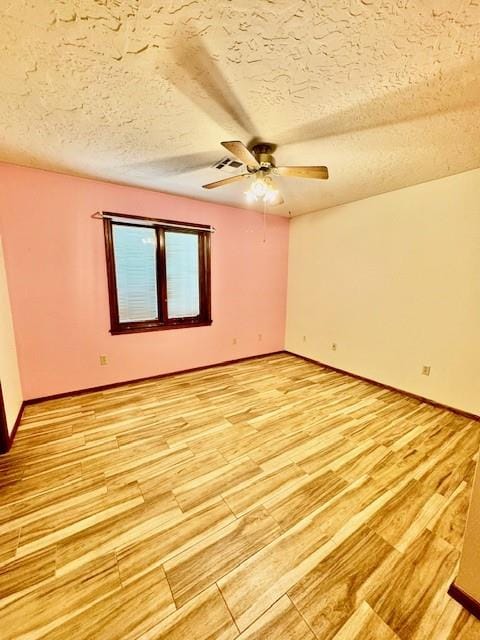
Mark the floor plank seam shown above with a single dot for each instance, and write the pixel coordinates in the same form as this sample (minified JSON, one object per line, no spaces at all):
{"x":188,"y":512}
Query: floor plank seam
{"x":302,"y":616}
{"x":228,"y":608}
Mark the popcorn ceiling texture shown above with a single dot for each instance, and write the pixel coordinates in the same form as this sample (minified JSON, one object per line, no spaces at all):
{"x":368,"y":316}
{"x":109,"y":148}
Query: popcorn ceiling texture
{"x":386,"y":93}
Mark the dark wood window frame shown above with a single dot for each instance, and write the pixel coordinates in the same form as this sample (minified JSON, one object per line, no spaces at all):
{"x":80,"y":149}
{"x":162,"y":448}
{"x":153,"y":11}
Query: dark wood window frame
{"x":161,"y":226}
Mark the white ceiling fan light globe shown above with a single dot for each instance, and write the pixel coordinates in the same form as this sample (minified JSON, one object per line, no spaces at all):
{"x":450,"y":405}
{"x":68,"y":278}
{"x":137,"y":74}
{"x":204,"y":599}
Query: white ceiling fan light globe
{"x":271,"y":196}
{"x":262,"y":189}
{"x":259,"y":188}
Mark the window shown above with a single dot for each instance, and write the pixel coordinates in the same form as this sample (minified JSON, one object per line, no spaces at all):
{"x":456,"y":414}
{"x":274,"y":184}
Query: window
{"x":158,"y":273}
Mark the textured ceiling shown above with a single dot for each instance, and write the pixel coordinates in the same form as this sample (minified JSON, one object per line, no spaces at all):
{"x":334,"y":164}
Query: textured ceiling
{"x":386,"y":93}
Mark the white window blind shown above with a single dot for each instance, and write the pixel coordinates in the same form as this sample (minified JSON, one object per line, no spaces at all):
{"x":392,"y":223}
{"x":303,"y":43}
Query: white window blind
{"x":136,"y":272}
{"x":181,"y":254}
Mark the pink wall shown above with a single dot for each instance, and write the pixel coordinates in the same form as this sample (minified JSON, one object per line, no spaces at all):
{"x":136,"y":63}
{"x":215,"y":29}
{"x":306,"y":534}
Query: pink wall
{"x":55,"y":261}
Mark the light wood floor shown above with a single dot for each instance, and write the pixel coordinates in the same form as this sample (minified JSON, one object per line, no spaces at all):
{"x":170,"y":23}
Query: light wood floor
{"x":268,"y":499}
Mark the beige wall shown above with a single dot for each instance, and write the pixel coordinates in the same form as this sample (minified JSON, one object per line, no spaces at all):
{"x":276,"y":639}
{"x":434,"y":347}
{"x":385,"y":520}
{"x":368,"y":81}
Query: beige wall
{"x":394,"y":281}
{"x":9,"y":375}
{"x":468,"y":578}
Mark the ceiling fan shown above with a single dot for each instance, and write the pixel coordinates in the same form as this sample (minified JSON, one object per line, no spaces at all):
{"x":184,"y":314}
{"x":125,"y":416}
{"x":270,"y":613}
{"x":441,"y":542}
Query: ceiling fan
{"x":260,"y":166}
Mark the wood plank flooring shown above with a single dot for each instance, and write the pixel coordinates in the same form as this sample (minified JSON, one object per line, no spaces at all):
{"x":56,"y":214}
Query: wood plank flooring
{"x":269,"y":499}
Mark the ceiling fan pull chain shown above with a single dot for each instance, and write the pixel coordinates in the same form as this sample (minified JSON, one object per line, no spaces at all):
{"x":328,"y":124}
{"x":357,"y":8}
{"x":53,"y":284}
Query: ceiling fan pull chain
{"x":264,"y":220}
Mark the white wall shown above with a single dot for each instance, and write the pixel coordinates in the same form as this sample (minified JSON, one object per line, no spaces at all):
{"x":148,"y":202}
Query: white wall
{"x":9,"y":374}
{"x":394,"y":280}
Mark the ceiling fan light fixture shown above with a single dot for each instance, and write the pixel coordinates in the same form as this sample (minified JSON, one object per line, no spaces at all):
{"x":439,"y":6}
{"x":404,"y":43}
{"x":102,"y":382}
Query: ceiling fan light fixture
{"x":262,"y":190}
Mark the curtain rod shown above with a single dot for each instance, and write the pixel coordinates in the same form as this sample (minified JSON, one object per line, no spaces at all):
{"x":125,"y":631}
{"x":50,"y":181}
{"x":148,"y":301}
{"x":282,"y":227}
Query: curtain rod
{"x":101,"y":215}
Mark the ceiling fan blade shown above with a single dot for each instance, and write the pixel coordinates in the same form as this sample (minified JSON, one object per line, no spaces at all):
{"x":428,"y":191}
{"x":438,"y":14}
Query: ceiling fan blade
{"x":221,"y":183}
{"x":194,"y":71}
{"x":242,"y":153}
{"x":320,"y":173}
{"x":172,"y":166}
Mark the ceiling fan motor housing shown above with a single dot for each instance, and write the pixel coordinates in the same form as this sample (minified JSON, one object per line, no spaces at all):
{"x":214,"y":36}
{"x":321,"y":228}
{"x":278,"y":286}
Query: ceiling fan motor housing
{"x":263,"y":153}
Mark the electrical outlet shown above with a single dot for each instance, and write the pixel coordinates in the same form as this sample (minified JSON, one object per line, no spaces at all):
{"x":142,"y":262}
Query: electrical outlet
{"x":234,"y":341}
{"x":103,"y":360}
{"x":304,"y":338}
{"x":260,"y":337}
{"x":334,"y":346}
{"x":425,"y":370}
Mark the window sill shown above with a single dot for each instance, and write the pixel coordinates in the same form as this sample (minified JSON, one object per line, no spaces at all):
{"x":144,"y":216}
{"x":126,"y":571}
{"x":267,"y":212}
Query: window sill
{"x":159,"y":327}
